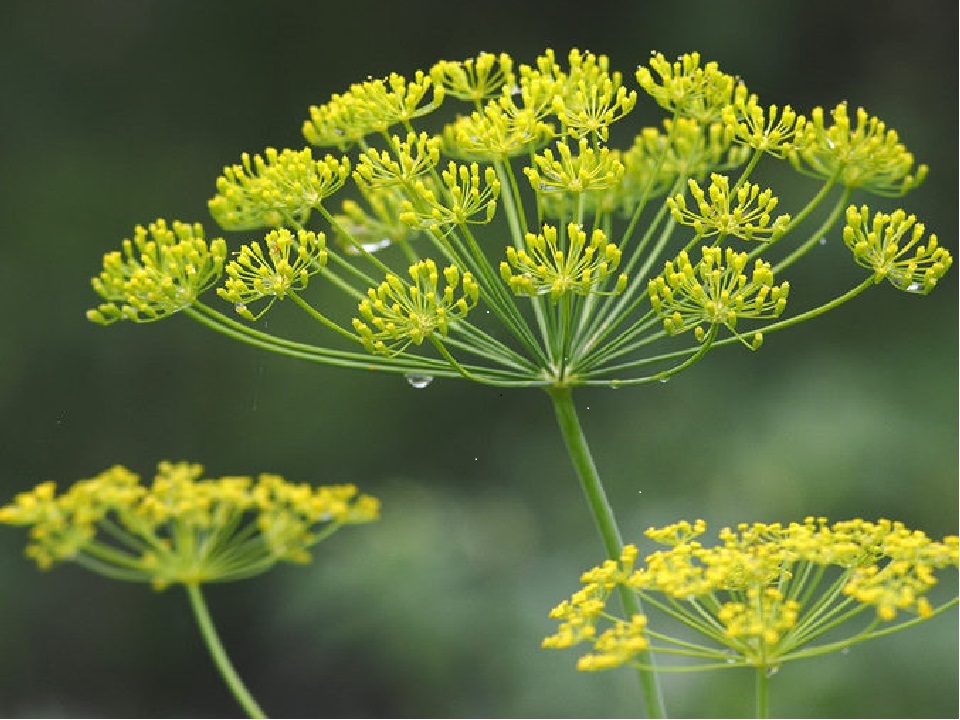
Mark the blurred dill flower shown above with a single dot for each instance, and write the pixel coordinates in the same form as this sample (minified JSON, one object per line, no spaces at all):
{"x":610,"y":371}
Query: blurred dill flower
{"x":183,"y":528}
{"x":400,"y":313}
{"x":369,"y":229}
{"x":715,"y":291}
{"x":749,"y":218}
{"x":493,"y":134}
{"x":161,"y":271}
{"x":474,"y":79}
{"x":593,"y":97}
{"x":862,"y":154}
{"x":543,"y":267}
{"x":254,"y":275}
{"x":276,"y":188}
{"x":760,"y":597}
{"x":885,"y":244}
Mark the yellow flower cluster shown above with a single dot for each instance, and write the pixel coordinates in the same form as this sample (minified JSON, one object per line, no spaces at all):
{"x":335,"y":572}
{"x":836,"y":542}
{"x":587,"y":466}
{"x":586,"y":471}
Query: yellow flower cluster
{"x":161,"y":271}
{"x":715,"y":291}
{"x":183,"y":528}
{"x":275,"y":189}
{"x":554,"y":266}
{"x":761,"y":596}
{"x":400,"y":313}
{"x":254,"y":275}
{"x":861,"y":154}
{"x":884,"y":246}
{"x":748,"y":218}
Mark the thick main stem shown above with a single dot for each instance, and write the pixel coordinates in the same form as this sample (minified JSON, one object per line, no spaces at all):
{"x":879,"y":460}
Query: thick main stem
{"x":579,"y":450}
{"x":219,"y":655}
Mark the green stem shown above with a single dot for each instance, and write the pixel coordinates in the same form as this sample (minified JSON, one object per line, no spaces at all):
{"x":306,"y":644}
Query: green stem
{"x":763,"y":693}
{"x":579,"y":450}
{"x":219,"y":655}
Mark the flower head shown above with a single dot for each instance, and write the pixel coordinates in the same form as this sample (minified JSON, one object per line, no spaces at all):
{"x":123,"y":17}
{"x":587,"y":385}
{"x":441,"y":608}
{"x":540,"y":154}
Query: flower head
{"x":161,"y":271}
{"x":760,"y":596}
{"x":686,"y":88}
{"x":748,"y":218}
{"x":715,"y":291}
{"x":474,"y":79}
{"x":586,"y":171}
{"x":407,"y":160}
{"x":396,"y":313}
{"x":275,"y":188}
{"x":771,"y":131}
{"x":255,"y":275}
{"x":463,"y":198}
{"x":862,"y":154}
{"x":183,"y":528}
{"x":890,"y":247}
{"x":548,"y":265}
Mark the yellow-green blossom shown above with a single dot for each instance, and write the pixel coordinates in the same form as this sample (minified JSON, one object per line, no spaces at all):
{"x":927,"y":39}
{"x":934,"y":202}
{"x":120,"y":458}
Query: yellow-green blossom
{"x":770,"y":131}
{"x":255,"y":275}
{"x":475,"y":79}
{"x":548,"y":265}
{"x":890,"y":246}
{"x":396,"y":313}
{"x":407,"y":160}
{"x":589,"y":170}
{"x":275,"y":188}
{"x":183,"y":528}
{"x":685,"y":88}
{"x":493,"y":134}
{"x":749,"y":218}
{"x":462,"y":199}
{"x":760,"y":597}
{"x":593,"y":98}
{"x":715,"y":291}
{"x":369,"y":230}
{"x":862,"y":154}
{"x":161,"y":271}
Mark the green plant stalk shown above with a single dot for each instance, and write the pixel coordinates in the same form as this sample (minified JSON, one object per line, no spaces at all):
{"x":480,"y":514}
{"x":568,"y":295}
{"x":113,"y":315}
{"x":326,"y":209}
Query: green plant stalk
{"x":579,"y":450}
{"x":763,"y":692}
{"x":219,"y":655}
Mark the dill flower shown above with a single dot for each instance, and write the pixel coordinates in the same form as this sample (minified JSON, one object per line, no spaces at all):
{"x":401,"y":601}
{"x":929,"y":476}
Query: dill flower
{"x":407,"y":160}
{"x":715,"y":291}
{"x":369,"y":229}
{"x":161,"y":271}
{"x":184,"y":528}
{"x":254,"y":275}
{"x":543,"y":267}
{"x":462,"y":199}
{"x":685,"y":88}
{"x":884,"y":246}
{"x":749,"y":218}
{"x":769,"y":131}
{"x":589,"y":170}
{"x":400,"y":313}
{"x":594,"y":98}
{"x":269,"y":190}
{"x":494,"y":134}
{"x":862,"y":154}
{"x":474,"y":79}
{"x":760,"y":597}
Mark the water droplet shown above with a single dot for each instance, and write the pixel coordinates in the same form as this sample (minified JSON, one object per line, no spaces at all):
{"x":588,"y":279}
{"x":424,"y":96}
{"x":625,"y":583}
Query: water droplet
{"x":614,"y":384}
{"x":418,"y":381}
{"x":845,"y":651}
{"x":731,"y":661}
{"x":378,"y":245}
{"x":913,"y":287}
{"x":772,"y":670}
{"x":822,"y":241}
{"x":664,"y":379}
{"x":240,"y":308}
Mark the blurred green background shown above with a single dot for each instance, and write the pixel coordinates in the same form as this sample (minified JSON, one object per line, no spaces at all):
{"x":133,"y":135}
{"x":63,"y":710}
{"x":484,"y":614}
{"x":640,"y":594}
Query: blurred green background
{"x":116,"y":112}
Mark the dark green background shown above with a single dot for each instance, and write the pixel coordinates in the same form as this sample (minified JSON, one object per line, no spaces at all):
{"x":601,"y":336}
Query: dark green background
{"x":115,"y":113}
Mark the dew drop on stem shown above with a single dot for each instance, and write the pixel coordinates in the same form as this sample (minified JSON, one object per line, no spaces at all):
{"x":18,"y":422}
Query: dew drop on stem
{"x":418,"y":381}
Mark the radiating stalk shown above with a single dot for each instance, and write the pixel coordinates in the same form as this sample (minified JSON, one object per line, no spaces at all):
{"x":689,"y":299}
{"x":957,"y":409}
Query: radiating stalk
{"x":579,"y":450}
